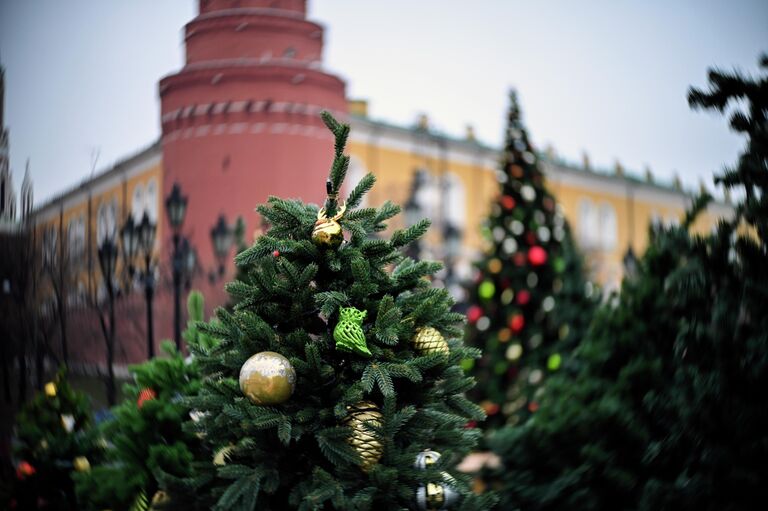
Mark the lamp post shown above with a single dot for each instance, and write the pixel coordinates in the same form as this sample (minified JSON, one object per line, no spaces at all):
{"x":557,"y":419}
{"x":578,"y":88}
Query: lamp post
{"x":414,"y":211}
{"x":107,"y":262}
{"x":141,"y":237}
{"x":630,"y":263}
{"x":221,"y":238}
{"x":176,"y":206}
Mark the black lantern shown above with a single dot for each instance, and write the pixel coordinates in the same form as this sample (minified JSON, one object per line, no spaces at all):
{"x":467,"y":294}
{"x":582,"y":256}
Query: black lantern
{"x":108,"y":259}
{"x":128,"y":235}
{"x":146,"y":234}
{"x":221,"y":237}
{"x":176,"y":205}
{"x":630,"y":263}
{"x":452,"y":237}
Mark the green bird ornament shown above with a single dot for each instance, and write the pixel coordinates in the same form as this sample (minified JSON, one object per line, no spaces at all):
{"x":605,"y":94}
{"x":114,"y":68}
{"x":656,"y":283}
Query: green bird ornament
{"x":349,"y":334}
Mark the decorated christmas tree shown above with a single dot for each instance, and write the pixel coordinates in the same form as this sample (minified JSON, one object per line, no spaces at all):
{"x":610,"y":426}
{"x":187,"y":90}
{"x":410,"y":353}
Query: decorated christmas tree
{"x":145,"y":433}
{"x":54,"y":438}
{"x":668,"y":409}
{"x":529,"y":302}
{"x":336,"y":381}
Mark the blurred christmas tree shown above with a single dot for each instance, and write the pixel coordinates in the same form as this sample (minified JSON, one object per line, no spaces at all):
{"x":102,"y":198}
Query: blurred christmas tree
{"x":54,"y":438}
{"x":668,"y":410}
{"x":146,"y":430}
{"x":531,"y":301}
{"x":336,"y":382}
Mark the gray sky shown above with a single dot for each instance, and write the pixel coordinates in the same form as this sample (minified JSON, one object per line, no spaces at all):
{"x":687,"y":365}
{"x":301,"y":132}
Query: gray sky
{"x":609,"y":77}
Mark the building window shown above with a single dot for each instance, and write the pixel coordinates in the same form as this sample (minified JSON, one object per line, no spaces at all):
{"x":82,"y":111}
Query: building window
{"x":151,"y":200}
{"x":106,"y":221}
{"x":137,"y":202}
{"x":608,"y":228}
{"x":454,"y":201}
{"x":588,"y":224}
{"x":76,"y":241}
{"x":50,"y":239}
{"x":597,"y":226}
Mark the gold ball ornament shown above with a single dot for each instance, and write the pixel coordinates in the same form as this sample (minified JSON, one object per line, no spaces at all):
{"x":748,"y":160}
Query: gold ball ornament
{"x":50,"y":389}
{"x":428,"y":341}
{"x":327,"y":231}
{"x":363,"y":416}
{"x":81,"y":464}
{"x":267,"y":378}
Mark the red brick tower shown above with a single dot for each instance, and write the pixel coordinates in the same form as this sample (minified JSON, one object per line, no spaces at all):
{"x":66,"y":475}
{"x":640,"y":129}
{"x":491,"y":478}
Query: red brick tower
{"x":240,"y":120}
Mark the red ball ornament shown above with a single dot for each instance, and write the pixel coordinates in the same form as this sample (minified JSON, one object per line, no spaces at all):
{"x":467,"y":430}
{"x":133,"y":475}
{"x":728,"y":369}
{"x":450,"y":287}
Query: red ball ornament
{"x":24,"y":470}
{"x":474,"y":313}
{"x":517,"y":322}
{"x":491,"y":408}
{"x":523,"y":296}
{"x":530,"y":238}
{"x":144,"y":396}
{"x":470,"y":425}
{"x":518,"y":259}
{"x":533,"y":406}
{"x":276,"y":253}
{"x":537,"y":255}
{"x":507,"y":202}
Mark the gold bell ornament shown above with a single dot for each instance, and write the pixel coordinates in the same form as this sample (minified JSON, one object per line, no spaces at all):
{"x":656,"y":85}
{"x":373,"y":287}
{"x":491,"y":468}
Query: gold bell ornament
{"x":428,"y":341}
{"x":267,"y":378}
{"x":327,"y":232}
{"x":363,"y":416}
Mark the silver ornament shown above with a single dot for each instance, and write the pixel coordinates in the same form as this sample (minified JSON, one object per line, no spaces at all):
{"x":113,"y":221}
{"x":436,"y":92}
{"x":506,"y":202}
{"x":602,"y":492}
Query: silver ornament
{"x":425,"y":459}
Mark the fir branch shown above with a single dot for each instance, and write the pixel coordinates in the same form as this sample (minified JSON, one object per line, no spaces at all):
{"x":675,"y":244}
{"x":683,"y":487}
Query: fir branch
{"x":359,"y":191}
{"x":333,"y":444}
{"x":403,"y":237}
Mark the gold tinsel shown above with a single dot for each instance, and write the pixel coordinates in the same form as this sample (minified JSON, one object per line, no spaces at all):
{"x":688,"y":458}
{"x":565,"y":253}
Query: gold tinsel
{"x":428,"y":340}
{"x":362,"y":417}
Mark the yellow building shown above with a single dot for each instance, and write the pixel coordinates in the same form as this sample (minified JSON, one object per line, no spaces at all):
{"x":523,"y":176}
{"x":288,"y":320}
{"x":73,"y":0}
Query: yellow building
{"x":608,"y":212}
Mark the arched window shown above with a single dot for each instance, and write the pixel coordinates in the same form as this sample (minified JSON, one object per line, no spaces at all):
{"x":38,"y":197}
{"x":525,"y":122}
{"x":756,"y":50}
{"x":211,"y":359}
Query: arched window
{"x":151,"y":200}
{"x":454,"y":201}
{"x":137,"y":202}
{"x":76,"y":241}
{"x":50,"y":239}
{"x":106,"y":221}
{"x":608,"y":228}
{"x":588,"y":227}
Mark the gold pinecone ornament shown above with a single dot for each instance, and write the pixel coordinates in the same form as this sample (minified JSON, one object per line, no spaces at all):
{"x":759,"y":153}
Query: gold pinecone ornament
{"x":363,"y":416}
{"x":428,"y":341}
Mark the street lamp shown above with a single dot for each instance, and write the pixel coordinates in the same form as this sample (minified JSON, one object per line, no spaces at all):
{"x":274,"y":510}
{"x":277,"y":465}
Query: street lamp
{"x":107,"y":252}
{"x":221,"y":238}
{"x":141,"y":237}
{"x":630,"y":263}
{"x":176,"y":206}
{"x":128,"y":235}
{"x":413,"y":210}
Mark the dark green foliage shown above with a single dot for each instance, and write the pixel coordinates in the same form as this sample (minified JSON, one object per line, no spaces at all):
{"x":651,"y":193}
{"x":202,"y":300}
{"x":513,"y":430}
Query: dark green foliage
{"x":552,"y":299}
{"x":43,"y":441}
{"x":296,"y":455}
{"x":668,"y":410}
{"x":148,"y":438}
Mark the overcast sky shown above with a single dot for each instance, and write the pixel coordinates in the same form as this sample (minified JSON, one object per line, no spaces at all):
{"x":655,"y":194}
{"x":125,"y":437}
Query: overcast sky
{"x":607,"y":77}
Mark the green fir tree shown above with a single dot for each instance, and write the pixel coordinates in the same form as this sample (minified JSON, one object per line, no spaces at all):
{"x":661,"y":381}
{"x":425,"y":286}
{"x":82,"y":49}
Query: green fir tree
{"x":668,"y":410}
{"x":145,"y":432}
{"x":349,"y":434}
{"x":531,"y":301}
{"x":55,"y":438}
